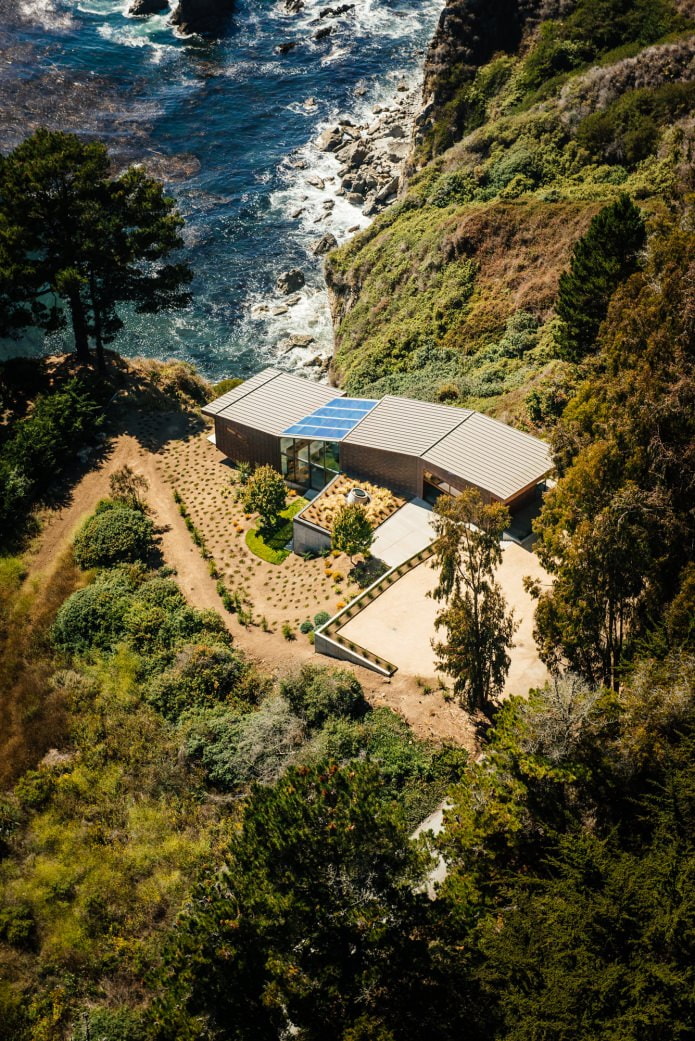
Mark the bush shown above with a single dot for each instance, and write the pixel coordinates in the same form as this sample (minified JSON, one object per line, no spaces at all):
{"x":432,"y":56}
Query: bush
{"x":306,"y":627}
{"x":239,"y":748}
{"x":317,"y":693}
{"x":202,"y":675}
{"x":93,"y":617}
{"x":288,"y":631}
{"x":113,"y":536}
{"x":321,"y":618}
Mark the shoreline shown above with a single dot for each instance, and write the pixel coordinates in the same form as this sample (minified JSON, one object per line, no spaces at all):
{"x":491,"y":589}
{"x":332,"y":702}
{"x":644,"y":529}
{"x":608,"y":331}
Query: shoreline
{"x":348,"y":173}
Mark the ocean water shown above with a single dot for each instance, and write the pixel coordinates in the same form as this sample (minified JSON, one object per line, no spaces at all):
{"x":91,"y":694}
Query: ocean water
{"x":228,"y":124}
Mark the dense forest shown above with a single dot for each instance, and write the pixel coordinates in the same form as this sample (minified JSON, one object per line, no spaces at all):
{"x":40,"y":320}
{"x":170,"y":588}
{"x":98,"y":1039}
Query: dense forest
{"x":191,"y":848}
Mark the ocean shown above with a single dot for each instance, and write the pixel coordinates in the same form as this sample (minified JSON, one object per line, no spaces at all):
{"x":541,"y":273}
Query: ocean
{"x":230,"y":126}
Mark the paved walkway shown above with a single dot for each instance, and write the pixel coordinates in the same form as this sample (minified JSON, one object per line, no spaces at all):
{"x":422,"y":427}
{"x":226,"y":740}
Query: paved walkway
{"x":399,"y":624}
{"x":405,"y":533}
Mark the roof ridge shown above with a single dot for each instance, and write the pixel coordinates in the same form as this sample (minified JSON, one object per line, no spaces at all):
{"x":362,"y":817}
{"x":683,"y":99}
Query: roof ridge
{"x":471,"y":412}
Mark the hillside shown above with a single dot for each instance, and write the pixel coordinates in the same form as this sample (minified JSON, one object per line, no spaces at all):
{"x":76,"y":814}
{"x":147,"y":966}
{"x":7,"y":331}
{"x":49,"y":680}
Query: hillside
{"x":535,"y":116}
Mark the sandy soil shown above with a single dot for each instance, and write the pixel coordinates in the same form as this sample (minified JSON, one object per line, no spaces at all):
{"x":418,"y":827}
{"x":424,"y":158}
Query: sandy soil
{"x":399,"y":625}
{"x":173,"y":450}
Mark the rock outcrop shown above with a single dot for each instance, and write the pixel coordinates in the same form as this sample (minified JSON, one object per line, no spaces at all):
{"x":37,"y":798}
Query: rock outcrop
{"x":201,"y":16}
{"x":290,"y":281}
{"x":143,"y":8}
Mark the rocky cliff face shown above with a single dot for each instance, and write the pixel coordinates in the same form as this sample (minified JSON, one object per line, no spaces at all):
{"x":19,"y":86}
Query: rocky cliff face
{"x":469,"y":33}
{"x":201,"y":16}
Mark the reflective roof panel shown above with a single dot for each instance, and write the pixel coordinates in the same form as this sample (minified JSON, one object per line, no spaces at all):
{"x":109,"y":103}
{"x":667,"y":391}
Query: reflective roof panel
{"x":332,"y":421}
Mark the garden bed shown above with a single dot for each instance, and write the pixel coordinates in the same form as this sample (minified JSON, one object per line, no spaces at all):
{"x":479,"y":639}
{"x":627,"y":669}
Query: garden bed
{"x":323,"y":509}
{"x":272,"y":546}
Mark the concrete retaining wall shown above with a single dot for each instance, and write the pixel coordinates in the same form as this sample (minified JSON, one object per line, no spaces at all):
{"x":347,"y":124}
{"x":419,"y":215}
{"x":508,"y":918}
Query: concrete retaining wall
{"x":306,"y":536}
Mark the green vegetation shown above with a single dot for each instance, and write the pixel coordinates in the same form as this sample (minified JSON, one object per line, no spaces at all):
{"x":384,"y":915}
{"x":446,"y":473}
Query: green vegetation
{"x":602,"y":259}
{"x":352,"y":530}
{"x":40,"y":448}
{"x":271,"y":545}
{"x":265,"y":493}
{"x":74,"y":239}
{"x":478,"y":628}
{"x":158,"y":726}
{"x":524,"y":144}
{"x":114,"y":535}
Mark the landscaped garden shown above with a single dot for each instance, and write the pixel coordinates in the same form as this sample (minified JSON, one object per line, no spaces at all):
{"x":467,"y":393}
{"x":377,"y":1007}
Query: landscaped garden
{"x":325,"y":507}
{"x":278,"y":590}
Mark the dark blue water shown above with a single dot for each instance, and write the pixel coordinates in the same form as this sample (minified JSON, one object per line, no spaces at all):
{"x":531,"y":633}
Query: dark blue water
{"x":223,"y":123}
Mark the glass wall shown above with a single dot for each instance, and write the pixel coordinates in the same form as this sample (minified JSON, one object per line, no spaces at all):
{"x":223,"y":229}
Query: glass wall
{"x":309,"y":464}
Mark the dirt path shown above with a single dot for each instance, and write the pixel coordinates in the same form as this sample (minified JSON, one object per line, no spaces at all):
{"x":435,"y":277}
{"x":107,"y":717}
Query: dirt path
{"x":429,"y":714}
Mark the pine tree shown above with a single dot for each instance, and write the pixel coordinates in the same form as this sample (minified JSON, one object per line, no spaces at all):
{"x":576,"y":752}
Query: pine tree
{"x":606,"y":256}
{"x":75,"y":242}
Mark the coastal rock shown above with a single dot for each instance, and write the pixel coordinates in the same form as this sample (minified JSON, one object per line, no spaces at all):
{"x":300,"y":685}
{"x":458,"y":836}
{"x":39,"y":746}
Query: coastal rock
{"x":285,"y":48}
{"x":142,"y":8}
{"x":290,"y":281}
{"x":330,"y":140}
{"x":315,"y":182}
{"x":335,"y":12}
{"x":324,"y":245}
{"x":294,"y":6}
{"x":322,"y":33}
{"x":356,"y":156}
{"x":201,"y":16}
{"x":297,"y":213}
{"x":355,"y":199}
{"x":292,"y":342}
{"x":389,"y":189}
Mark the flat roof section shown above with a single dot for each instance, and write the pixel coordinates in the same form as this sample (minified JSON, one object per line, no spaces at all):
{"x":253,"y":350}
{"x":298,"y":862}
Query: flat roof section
{"x":405,"y":425}
{"x":332,"y":422}
{"x":272,"y":400}
{"x":492,"y":455}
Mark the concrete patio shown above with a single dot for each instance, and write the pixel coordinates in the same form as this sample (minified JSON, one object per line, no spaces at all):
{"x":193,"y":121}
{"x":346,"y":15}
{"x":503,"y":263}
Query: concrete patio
{"x":405,"y":533}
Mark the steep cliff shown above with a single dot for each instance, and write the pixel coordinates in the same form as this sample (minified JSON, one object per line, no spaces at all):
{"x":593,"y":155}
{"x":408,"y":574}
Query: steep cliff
{"x":536,"y":113}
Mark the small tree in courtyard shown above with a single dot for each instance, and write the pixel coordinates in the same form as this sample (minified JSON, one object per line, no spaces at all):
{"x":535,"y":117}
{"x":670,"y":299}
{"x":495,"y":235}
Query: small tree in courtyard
{"x":266,"y":495}
{"x":479,"y":628}
{"x":352,"y":530}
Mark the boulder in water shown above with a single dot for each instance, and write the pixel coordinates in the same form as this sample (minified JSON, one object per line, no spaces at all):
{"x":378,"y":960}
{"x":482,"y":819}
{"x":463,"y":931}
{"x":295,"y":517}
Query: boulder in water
{"x":201,"y":16}
{"x":324,"y":245}
{"x":290,"y":281}
{"x":142,"y":8}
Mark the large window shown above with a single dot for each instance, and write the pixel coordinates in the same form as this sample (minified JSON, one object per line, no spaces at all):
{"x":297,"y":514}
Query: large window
{"x":309,"y":464}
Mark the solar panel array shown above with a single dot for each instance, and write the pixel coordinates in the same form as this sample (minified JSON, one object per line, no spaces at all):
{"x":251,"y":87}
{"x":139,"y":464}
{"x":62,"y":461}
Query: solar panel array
{"x":331,"y":422}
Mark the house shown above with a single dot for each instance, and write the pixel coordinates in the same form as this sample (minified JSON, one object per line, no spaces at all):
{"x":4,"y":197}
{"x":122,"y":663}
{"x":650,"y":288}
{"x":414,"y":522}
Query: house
{"x":310,"y":432}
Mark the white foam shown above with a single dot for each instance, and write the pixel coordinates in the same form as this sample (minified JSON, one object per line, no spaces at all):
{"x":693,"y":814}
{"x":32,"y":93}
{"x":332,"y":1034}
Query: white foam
{"x":50,"y":14}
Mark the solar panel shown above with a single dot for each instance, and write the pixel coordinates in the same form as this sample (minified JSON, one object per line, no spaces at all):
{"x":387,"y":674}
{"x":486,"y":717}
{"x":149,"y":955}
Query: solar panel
{"x":331,"y":422}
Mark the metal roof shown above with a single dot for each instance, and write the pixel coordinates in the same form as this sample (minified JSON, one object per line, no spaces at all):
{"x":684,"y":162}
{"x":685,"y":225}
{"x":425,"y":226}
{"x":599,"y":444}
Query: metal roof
{"x":332,"y":422}
{"x":405,"y":425}
{"x":492,"y":455}
{"x":214,"y":408}
{"x":271,"y":401}
{"x":480,"y":450}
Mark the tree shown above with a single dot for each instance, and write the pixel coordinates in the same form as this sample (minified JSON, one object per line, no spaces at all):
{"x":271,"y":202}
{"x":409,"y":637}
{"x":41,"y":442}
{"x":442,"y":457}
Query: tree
{"x":74,"y":239}
{"x":265,"y":494}
{"x":617,"y":533}
{"x":352,"y":530}
{"x":315,"y":917}
{"x":479,"y":629}
{"x":603,"y":258}
{"x":128,"y":487}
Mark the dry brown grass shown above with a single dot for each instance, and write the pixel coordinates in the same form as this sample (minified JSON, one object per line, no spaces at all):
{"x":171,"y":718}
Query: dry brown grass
{"x":32,"y":713}
{"x":324,"y":508}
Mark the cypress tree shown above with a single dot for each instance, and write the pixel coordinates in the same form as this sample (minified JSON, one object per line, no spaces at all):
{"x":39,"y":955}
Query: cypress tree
{"x":606,"y":256}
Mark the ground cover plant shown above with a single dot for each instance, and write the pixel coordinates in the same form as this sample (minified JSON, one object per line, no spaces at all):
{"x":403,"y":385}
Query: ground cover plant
{"x":270,"y":542}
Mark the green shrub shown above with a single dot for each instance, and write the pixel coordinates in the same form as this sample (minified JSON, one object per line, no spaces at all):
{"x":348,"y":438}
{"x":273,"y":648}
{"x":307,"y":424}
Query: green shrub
{"x":236,"y":748}
{"x":113,"y":536}
{"x":202,"y":675}
{"x":317,"y":693}
{"x":18,"y":926}
{"x":288,"y":631}
{"x":93,"y":617}
{"x":306,"y":627}
{"x":321,"y":618}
